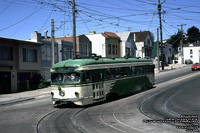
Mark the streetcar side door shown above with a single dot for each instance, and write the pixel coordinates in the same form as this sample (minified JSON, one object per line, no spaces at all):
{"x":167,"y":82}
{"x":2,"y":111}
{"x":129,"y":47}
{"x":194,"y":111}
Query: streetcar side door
{"x":98,"y":84}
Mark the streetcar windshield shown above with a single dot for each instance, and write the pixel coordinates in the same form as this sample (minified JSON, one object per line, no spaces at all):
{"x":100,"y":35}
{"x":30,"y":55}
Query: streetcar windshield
{"x":72,"y":78}
{"x":57,"y":78}
{"x":67,"y":78}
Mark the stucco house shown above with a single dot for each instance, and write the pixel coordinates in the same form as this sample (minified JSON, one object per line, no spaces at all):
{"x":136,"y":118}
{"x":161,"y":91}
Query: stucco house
{"x":168,"y":53}
{"x":144,"y":44}
{"x":127,"y":46}
{"x":19,"y":61}
{"x":105,"y":44}
{"x":83,"y":45}
{"x":191,"y":51}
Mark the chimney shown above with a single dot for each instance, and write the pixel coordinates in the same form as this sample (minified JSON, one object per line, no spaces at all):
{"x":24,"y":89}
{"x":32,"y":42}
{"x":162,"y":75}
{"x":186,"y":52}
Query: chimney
{"x":134,"y":37}
{"x":92,"y":32}
{"x":36,"y":37}
{"x":45,"y":34}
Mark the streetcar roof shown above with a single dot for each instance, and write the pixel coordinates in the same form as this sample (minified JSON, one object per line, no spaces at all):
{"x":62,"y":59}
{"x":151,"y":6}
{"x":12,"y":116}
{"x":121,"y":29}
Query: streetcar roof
{"x":80,"y":64}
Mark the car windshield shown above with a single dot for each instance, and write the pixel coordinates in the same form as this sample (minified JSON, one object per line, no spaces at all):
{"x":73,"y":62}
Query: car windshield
{"x":196,"y":64}
{"x":67,"y":78}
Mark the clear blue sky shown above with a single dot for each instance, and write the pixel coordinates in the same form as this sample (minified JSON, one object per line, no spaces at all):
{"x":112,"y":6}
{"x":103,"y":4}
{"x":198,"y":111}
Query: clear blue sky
{"x":19,"y":18}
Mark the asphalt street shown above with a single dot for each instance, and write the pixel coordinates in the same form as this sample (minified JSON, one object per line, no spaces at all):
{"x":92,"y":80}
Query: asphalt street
{"x":175,"y":93}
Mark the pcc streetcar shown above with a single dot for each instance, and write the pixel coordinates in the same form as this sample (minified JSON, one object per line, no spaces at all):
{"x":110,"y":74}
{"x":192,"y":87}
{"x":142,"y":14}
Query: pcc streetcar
{"x":87,"y":81}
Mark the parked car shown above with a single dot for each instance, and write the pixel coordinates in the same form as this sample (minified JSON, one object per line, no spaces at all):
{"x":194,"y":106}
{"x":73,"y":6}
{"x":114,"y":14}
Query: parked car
{"x":195,"y":66}
{"x":188,"y":61}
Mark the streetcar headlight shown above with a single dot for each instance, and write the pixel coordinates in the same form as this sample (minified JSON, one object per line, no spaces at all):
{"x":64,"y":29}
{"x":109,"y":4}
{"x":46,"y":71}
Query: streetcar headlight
{"x":62,"y":93}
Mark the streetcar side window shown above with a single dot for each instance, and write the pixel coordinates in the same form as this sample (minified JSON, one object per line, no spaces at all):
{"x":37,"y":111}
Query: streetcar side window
{"x":87,"y":76}
{"x":94,"y":75}
{"x":107,"y":74}
{"x":133,"y":70}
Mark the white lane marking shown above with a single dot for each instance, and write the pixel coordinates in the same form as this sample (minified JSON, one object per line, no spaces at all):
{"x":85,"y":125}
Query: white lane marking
{"x":168,"y":100}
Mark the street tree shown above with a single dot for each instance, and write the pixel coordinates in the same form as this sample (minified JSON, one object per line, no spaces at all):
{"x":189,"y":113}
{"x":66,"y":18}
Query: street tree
{"x":193,"y":35}
{"x":175,"y":40}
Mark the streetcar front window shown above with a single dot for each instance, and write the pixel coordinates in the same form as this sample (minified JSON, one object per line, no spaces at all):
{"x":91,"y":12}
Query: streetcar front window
{"x":67,"y":78}
{"x":71,"y":78}
{"x":57,"y":78}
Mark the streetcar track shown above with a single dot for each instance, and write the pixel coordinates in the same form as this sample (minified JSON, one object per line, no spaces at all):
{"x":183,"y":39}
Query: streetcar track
{"x":73,"y":119}
{"x":175,"y":82}
{"x":122,"y":122}
{"x":38,"y":124}
{"x":147,"y":99}
{"x":107,"y":123}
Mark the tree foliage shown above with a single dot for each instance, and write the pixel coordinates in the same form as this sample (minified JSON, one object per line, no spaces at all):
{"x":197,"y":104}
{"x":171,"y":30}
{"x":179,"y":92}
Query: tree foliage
{"x":175,"y":39}
{"x":193,"y":34}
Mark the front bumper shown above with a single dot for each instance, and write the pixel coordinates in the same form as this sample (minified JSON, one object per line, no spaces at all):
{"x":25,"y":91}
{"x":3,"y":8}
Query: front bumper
{"x":68,"y":99}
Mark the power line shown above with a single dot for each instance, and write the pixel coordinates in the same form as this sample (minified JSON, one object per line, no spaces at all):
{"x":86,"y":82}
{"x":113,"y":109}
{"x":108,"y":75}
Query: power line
{"x":7,"y":7}
{"x":21,"y":20}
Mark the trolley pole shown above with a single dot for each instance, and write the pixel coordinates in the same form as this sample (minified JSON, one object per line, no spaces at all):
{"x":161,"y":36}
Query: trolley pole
{"x":52,"y":41}
{"x":161,"y":41}
{"x":74,"y":29}
{"x":181,"y":43}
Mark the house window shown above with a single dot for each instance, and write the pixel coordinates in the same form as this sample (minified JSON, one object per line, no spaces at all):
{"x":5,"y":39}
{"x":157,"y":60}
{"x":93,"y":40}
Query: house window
{"x":148,"y":41}
{"x":109,"y":48}
{"x":6,"y":53}
{"x":67,"y":53}
{"x":146,"y":52}
{"x":191,"y":52}
{"x":29,"y":55}
{"x":116,"y":50}
{"x":170,"y":50}
{"x":128,"y":51}
{"x":179,"y":50}
{"x":113,"y":49}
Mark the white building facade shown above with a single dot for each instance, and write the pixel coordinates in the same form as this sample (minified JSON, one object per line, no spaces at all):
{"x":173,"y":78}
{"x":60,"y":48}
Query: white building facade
{"x":106,"y":44}
{"x":128,"y":47}
{"x":191,"y":51}
{"x":144,"y":44}
{"x":98,"y":44}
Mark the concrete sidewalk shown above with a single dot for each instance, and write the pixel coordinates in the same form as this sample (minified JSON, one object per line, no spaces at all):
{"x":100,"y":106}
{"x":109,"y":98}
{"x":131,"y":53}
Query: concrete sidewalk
{"x":24,"y":96}
{"x":170,"y":67}
{"x":29,"y":95}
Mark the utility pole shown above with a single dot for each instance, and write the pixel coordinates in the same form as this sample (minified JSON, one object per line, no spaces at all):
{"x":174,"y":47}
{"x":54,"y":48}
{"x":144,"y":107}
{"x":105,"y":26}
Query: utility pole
{"x":52,"y":41}
{"x":158,"y":54}
{"x":161,"y":41}
{"x":181,"y":42}
{"x":74,"y":29}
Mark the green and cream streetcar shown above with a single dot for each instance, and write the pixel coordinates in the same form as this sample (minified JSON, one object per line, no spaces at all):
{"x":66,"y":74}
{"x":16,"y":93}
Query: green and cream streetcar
{"x":87,"y":81}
